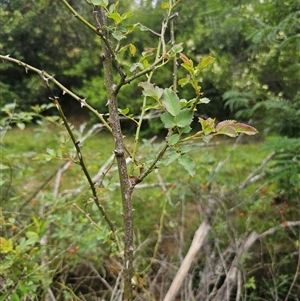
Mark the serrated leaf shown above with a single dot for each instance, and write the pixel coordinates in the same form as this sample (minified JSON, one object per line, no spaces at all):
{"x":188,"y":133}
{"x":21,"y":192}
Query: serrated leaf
{"x":188,"y":163}
{"x":228,"y":131}
{"x":205,"y":61}
{"x":171,"y":102}
{"x":224,"y":123}
{"x":168,"y":120}
{"x":151,"y":90}
{"x":172,"y":140}
{"x":232,"y":128}
{"x":186,"y":129}
{"x":171,"y":156}
{"x":184,"y":118}
{"x":245,"y":128}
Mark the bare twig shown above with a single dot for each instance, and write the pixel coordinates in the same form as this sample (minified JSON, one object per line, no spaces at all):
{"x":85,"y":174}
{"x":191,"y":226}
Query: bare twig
{"x":253,"y":176}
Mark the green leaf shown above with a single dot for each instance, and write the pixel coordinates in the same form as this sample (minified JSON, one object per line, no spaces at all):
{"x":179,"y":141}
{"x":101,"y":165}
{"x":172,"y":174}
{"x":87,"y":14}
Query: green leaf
{"x":21,"y":125}
{"x":171,"y":156}
{"x":187,"y":63}
{"x":165,"y":5}
{"x":171,"y":102}
{"x":51,"y":152}
{"x":185,"y":129}
{"x":177,"y":48}
{"x":188,"y":163}
{"x":124,"y":111}
{"x":183,"y":81}
{"x":151,"y":90}
{"x":204,"y":100}
{"x":208,"y":125}
{"x":132,"y":49}
{"x":115,"y":16}
{"x":168,"y":120}
{"x":102,"y":3}
{"x":205,"y":61}
{"x":2,"y":166}
{"x":33,"y":238}
{"x":172,"y":140}
{"x":184,"y":118}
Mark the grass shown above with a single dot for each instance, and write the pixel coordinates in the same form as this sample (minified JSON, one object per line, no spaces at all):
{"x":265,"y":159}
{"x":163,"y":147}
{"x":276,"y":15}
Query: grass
{"x":179,"y":207}
{"x":20,"y":149}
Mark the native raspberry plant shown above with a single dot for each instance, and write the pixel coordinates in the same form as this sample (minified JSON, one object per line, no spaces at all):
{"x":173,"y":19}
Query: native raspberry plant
{"x":177,"y":116}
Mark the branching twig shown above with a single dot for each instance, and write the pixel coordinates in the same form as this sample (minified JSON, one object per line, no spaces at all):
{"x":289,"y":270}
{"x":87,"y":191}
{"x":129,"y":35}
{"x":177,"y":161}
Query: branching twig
{"x":48,"y":78}
{"x":84,"y":168}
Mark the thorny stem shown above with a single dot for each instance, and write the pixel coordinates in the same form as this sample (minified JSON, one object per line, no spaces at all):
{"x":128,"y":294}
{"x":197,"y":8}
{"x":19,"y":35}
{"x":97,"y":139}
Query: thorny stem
{"x":65,"y":90}
{"x":84,"y":169}
{"x":126,"y":184}
{"x":79,"y":155}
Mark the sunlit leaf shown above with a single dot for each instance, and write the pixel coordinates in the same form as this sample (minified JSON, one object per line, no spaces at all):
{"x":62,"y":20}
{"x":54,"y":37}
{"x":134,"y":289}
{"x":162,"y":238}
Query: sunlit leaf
{"x":6,"y":245}
{"x":115,"y":16}
{"x":132,"y":49}
{"x":165,"y":5}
